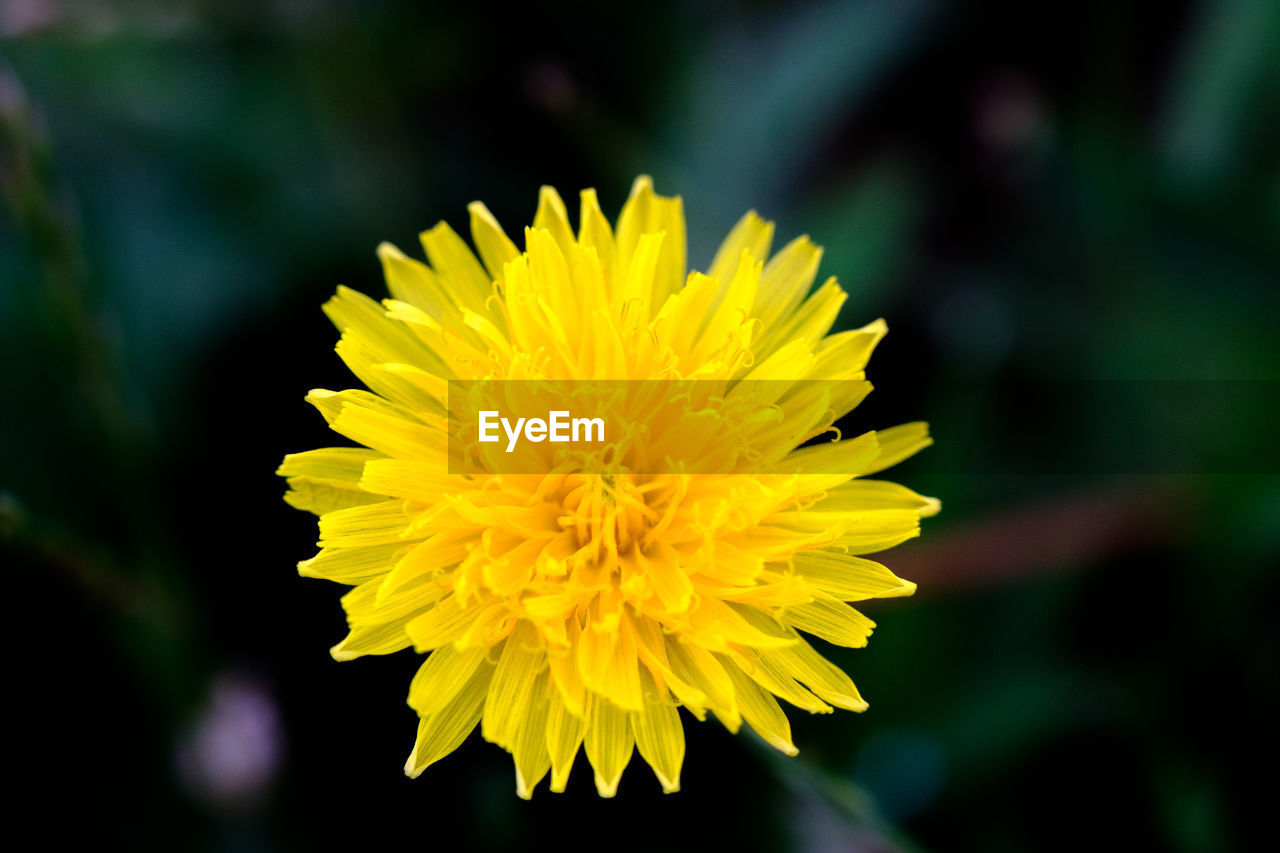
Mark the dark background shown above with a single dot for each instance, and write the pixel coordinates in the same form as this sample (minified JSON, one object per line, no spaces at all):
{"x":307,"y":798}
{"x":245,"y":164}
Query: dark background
{"x":1067,"y":212}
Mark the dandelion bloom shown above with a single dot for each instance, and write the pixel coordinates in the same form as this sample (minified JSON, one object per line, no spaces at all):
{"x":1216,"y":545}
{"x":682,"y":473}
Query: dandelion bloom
{"x":567,"y":608}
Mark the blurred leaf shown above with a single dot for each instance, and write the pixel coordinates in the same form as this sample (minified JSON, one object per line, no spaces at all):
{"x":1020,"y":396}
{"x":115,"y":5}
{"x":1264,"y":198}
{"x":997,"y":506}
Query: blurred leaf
{"x":1223,"y":98}
{"x":864,"y":224}
{"x":760,"y":98}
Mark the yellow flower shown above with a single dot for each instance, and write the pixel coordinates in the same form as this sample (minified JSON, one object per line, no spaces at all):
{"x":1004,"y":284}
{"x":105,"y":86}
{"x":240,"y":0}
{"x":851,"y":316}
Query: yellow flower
{"x":570,"y":609}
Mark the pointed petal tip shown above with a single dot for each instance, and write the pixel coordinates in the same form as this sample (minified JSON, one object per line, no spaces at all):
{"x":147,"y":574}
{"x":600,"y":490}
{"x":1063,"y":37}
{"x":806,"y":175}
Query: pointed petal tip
{"x":440,"y":227}
{"x":340,"y":654}
{"x":856,"y":704}
{"x":549,"y":195}
{"x":607,"y":788}
{"x":523,"y":791}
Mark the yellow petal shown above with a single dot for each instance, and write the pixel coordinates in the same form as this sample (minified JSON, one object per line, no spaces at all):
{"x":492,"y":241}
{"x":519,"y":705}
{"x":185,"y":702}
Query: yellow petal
{"x":443,"y":732}
{"x":786,"y":281}
{"x":876,"y":495}
{"x":439,"y":551}
{"x":413,"y":480}
{"x":565,"y":731}
{"x":847,"y":351}
{"x":660,"y":737}
{"x":609,"y":665}
{"x":378,"y":627}
{"x":352,"y":565}
{"x":382,"y":638}
{"x":877,"y":530}
{"x":457,"y":268}
{"x":823,"y":677}
{"x":518,"y":673}
{"x":338,"y":465}
{"x":381,"y":425}
{"x":366,"y":358}
{"x":553,"y":217}
{"x":842,"y":458}
{"x":319,"y":497}
{"x":565,"y":672}
{"x":495,"y":247}
{"x":447,"y":622}
{"x":752,"y":235}
{"x":788,"y":362}
{"x":898,"y":443}
{"x":382,"y":523}
{"x":778,"y":681}
{"x":716,"y":624}
{"x":729,"y":564}
{"x":530,"y":752}
{"x":442,"y":676}
{"x":653,"y":653}
{"x":808,"y":324}
{"x":831,"y":620}
{"x":608,"y":742}
{"x":594,"y":231}
{"x":412,"y":281}
{"x":351,"y":311}
{"x":453,"y":349}
{"x":699,"y":668}
{"x":849,"y":578}
{"x":761,"y":711}
{"x":638,"y":282}
{"x":645,"y":212}
{"x":364,"y":605}
{"x":669,"y":579}
{"x":732,"y":308}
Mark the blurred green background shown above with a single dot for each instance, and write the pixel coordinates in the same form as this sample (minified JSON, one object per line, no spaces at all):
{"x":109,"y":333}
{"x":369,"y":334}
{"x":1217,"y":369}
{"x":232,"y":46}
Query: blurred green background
{"x":1068,"y":213}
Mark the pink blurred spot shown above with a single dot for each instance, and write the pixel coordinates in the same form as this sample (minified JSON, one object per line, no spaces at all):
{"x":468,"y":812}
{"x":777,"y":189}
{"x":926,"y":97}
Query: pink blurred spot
{"x":230,"y":756}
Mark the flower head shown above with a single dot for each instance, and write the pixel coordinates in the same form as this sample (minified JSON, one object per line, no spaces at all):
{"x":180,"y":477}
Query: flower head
{"x":577,"y":606}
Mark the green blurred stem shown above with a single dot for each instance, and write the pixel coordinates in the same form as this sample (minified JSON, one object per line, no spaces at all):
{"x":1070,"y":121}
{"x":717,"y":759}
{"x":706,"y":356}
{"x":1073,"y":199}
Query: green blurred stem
{"x":844,"y":796}
{"x":52,"y":231}
{"x":141,"y":592}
